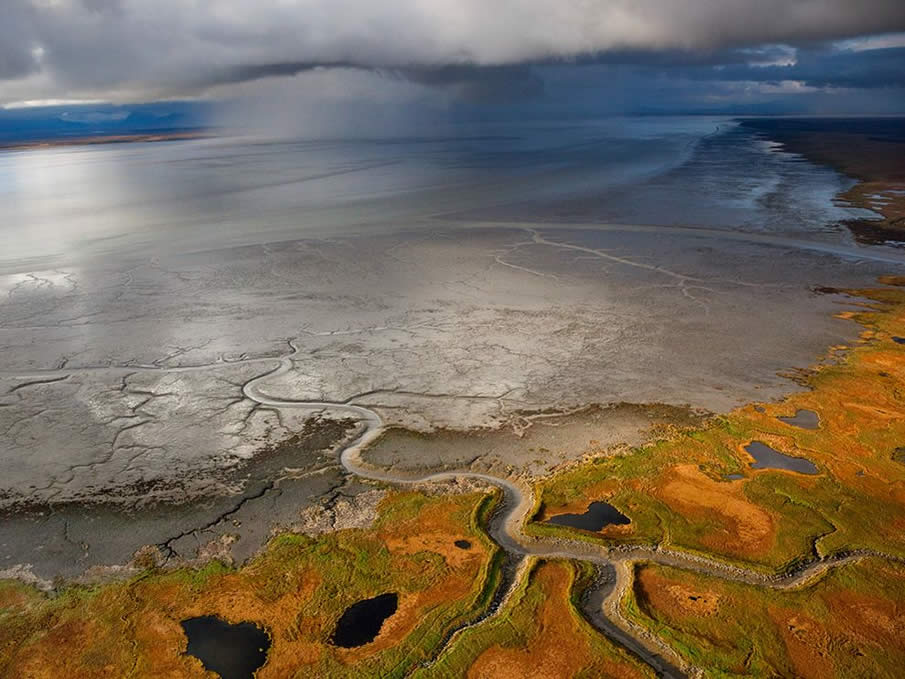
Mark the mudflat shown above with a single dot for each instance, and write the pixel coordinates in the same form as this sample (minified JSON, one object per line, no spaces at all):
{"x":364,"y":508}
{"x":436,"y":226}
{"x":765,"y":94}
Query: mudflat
{"x":269,"y":435}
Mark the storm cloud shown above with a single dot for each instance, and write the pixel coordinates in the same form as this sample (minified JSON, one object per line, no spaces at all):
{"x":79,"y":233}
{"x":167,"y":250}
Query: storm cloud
{"x":867,"y":69}
{"x":144,"y":48}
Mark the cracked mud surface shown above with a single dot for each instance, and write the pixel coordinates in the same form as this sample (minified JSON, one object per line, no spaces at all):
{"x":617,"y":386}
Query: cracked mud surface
{"x":94,"y":541}
{"x":431,"y":331}
{"x":294,"y":424}
{"x":124,"y":384}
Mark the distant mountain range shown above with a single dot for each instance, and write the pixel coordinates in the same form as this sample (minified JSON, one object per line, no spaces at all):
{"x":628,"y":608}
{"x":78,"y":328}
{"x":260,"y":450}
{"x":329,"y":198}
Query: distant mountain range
{"x":48,"y":123}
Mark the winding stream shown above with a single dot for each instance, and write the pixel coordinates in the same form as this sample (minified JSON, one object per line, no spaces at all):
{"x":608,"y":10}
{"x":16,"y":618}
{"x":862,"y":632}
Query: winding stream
{"x":615,"y":566}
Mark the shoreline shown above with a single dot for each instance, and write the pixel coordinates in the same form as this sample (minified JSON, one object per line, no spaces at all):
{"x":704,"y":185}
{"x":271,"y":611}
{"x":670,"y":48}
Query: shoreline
{"x":867,"y":150}
{"x":100,"y":140}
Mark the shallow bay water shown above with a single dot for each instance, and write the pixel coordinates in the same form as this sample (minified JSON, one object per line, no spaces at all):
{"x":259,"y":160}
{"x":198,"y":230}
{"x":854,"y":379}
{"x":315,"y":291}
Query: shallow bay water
{"x":62,"y":206}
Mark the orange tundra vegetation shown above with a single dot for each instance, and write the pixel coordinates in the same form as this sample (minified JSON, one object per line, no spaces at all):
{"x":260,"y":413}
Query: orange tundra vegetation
{"x":539,"y":634}
{"x":296,"y":590}
{"x":677,"y":491}
{"x":848,"y":623}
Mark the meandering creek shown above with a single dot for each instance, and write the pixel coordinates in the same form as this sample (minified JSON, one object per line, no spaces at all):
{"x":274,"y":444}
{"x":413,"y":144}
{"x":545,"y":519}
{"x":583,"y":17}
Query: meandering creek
{"x":601,"y":604}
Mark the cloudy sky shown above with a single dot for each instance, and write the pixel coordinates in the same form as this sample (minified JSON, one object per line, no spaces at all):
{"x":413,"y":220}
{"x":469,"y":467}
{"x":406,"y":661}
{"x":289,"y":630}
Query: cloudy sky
{"x":580,"y":55}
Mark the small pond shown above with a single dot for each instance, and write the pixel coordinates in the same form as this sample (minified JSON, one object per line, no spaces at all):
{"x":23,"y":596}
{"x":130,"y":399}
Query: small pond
{"x":899,"y":340}
{"x":598,"y":516}
{"x":767,"y":458}
{"x":806,"y":419}
{"x":232,"y":651}
{"x":462,"y":544}
{"x":361,"y":622}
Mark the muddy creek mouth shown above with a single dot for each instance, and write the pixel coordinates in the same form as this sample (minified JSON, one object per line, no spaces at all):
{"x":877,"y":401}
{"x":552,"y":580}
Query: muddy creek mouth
{"x":232,"y":651}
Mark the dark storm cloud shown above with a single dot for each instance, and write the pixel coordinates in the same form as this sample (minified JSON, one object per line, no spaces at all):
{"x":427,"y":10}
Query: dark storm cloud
{"x":820,"y":68}
{"x":126,"y":47}
{"x":676,"y":58}
{"x":236,"y":74}
{"x":479,"y":83}
{"x":865,"y":69}
{"x":827,"y":80}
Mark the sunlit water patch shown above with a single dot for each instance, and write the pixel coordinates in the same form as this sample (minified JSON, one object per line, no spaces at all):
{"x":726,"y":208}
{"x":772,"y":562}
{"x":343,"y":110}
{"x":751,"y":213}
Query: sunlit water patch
{"x":767,"y":458}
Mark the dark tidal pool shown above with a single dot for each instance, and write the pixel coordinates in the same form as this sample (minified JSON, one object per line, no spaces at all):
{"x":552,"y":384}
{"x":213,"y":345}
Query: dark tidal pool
{"x":232,"y":651}
{"x":805,"y":419}
{"x":767,"y":458}
{"x":598,"y":516}
{"x":361,"y":622}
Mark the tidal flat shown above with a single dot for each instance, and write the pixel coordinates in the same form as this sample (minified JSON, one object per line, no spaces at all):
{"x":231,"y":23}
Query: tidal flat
{"x":489,"y":330}
{"x":411,"y":550}
{"x":271,"y":433}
